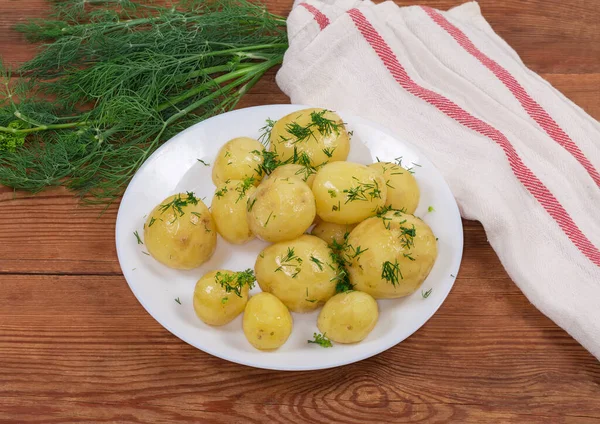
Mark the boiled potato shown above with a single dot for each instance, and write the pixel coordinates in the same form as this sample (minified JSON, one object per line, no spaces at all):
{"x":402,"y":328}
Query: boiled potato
{"x":333,"y":234}
{"x":280,"y":209}
{"x":402,"y":189}
{"x":180,"y":232}
{"x":348,"y":317}
{"x":229,"y":210}
{"x":267,"y":322}
{"x":238,"y":159}
{"x":300,"y":272}
{"x":213,"y":303}
{"x":320,"y":134}
{"x":305,"y":173}
{"x":347,"y":193}
{"x":398,"y":251}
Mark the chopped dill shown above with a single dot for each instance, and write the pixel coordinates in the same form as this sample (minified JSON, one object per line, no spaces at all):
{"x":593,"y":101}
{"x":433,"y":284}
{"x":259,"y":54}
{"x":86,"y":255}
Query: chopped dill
{"x":202,"y":162}
{"x":321,"y":340}
{"x":137,"y":236}
{"x":265,"y":132}
{"x":426,"y":294}
{"x":178,"y":301}
{"x":243,"y":187}
{"x":318,"y":262}
{"x":329,"y":151}
{"x":268,"y":219}
{"x":221,"y":192}
{"x":290,"y":260}
{"x":234,"y":282}
{"x":391,"y":272}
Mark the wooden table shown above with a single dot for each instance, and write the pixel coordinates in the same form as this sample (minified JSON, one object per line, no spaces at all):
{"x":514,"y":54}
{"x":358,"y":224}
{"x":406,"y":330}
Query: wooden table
{"x":76,"y":346}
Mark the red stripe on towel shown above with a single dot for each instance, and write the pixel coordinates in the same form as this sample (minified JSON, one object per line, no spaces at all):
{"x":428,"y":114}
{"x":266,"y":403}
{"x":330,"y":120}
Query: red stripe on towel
{"x":321,"y":19}
{"x":533,"y":109}
{"x":451,"y":109}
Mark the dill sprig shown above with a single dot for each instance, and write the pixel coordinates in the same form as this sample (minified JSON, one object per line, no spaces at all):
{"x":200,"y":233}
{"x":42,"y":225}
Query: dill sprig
{"x":234,"y":282}
{"x":126,"y":77}
{"x":178,"y":203}
{"x":321,"y":340}
{"x":290,"y":261}
{"x":265,"y":132}
{"x":270,"y":162}
{"x":317,"y":122}
{"x":361,"y":190}
{"x":391,"y":272}
{"x":243,"y":187}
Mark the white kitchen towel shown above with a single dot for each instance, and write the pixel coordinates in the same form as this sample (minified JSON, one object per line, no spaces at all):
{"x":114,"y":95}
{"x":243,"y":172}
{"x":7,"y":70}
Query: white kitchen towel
{"x":519,"y":156}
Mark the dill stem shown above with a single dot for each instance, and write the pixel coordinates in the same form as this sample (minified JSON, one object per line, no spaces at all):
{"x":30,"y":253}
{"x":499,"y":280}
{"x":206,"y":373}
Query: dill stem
{"x":43,"y":128}
{"x":223,"y":78}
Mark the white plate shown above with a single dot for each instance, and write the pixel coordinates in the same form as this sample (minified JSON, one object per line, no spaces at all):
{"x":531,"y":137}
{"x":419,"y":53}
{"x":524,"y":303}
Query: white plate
{"x":174,"y":168}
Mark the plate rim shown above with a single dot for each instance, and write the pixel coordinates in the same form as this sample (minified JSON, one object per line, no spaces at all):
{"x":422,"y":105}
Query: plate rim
{"x":214,"y":352}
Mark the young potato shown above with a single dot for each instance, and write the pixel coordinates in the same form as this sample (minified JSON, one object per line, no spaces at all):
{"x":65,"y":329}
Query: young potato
{"x":333,"y":234}
{"x":318,"y":133}
{"x":402,"y":189}
{"x":213,"y":303}
{"x":238,"y":159}
{"x":300,"y":272}
{"x":229,"y":210}
{"x":267,"y":322}
{"x":390,"y":256}
{"x":347,"y":193}
{"x":305,"y":173}
{"x":348,"y":317}
{"x":180,"y":232}
{"x":280,"y":209}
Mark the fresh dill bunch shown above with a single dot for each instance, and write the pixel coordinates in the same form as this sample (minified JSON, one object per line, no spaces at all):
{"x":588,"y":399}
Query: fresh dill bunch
{"x":126,"y":77}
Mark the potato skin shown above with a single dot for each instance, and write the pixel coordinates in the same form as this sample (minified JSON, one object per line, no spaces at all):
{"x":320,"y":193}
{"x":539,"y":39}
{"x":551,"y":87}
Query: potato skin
{"x":229,"y":210}
{"x":304,"y":280}
{"x":209,"y":303}
{"x":306,"y":174}
{"x":347,"y":193}
{"x":267,"y":322}
{"x":402,"y":189}
{"x":336,"y":143}
{"x":388,"y":240}
{"x":180,"y":240}
{"x":332,"y":234}
{"x":348,"y":317}
{"x":238,"y":159}
{"x":280,"y":209}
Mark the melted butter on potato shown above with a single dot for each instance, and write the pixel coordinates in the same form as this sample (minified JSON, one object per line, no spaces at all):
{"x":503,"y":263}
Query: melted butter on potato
{"x":319,"y":133}
{"x":347,"y":193}
{"x":402,"y":189}
{"x":398,"y":252}
{"x":180,"y":232}
{"x":305,"y":173}
{"x":228,"y":208}
{"x":213,"y":304}
{"x":238,"y":159}
{"x":280,"y":209}
{"x":301,"y":272}
{"x":267,"y":322}
{"x":348,"y":317}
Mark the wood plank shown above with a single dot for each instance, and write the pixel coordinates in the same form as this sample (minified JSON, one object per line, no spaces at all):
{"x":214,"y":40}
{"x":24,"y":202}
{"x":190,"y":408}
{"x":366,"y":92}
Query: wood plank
{"x":68,"y":345}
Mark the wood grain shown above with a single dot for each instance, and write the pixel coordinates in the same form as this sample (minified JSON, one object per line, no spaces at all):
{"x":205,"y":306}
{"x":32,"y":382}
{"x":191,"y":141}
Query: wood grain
{"x":76,"y":346}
